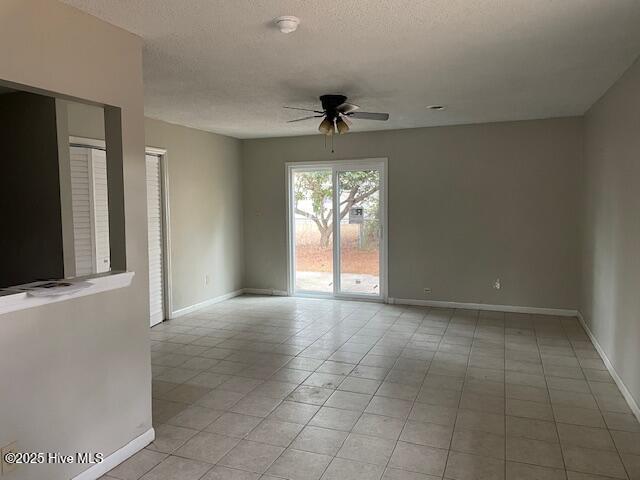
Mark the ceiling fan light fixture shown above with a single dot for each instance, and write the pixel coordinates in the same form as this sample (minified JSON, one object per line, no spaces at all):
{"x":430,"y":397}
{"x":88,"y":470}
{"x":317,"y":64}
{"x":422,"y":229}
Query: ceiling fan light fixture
{"x":342,"y":126}
{"x":326,"y":127}
{"x":287,"y":23}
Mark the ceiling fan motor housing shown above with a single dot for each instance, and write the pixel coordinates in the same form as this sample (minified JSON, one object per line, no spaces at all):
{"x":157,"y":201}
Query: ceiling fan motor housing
{"x":330,"y":104}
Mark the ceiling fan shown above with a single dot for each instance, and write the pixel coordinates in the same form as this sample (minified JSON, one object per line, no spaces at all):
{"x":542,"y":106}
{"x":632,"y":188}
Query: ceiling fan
{"x":336,"y":114}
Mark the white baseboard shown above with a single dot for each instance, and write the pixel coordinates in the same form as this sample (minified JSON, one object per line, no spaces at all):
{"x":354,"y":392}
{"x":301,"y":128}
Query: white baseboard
{"x":265,"y":291}
{"x":116,"y":458}
{"x":192,"y":308}
{"x":484,"y":306}
{"x":612,"y":371}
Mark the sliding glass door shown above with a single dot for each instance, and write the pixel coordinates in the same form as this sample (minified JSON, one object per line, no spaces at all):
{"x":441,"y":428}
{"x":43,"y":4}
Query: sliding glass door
{"x":336,"y":229}
{"x":312,"y":209}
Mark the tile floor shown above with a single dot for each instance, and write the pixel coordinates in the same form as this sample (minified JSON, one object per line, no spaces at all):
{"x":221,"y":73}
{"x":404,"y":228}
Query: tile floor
{"x":303,"y":389}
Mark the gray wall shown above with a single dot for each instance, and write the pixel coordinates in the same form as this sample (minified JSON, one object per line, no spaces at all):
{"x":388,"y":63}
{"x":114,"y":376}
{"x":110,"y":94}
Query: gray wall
{"x":205,"y":189}
{"x":205,"y":184}
{"x":610,"y":302}
{"x":467,"y":204}
{"x":76,"y":375}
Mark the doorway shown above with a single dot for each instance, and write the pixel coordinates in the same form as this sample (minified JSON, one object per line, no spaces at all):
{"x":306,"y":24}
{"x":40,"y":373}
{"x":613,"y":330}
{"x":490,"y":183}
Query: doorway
{"x":157,"y":224}
{"x":337,"y":229}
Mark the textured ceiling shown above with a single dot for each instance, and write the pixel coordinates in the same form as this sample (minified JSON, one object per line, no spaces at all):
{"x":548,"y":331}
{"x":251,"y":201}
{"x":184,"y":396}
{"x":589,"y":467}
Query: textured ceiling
{"x":219,"y":65}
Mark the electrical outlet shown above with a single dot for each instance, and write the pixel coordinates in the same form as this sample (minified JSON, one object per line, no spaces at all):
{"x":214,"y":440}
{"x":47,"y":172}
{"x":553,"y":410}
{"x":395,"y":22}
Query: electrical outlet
{"x":206,"y":279}
{"x":497,"y":284}
{"x":427,"y":290}
{"x":8,"y":467}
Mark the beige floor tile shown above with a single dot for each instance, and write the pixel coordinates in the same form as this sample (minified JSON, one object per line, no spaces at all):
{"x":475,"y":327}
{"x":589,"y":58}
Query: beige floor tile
{"x":578,"y":416}
{"x":137,"y":465}
{"x":207,"y":379}
{"x":532,"y":428}
{"x":207,"y":447}
{"x":573,"y":399}
{"x":490,"y":402}
{"x":535,"y":452}
{"x":632,"y":464}
{"x":169,"y":438}
{"x":319,"y":440}
{"x":527,"y":393}
{"x":487,"y":373}
{"x":311,"y":395}
{"x":397,"y":474}
{"x":234,"y":425}
{"x":219,"y":399}
{"x":484,"y":422}
{"x":587,"y":437}
{"x":526,"y":409}
{"x":439,"y":397}
{"x":273,"y":389}
{"x":195,"y":417}
{"x":163,"y":410}
{"x":571,"y":385}
{"x":178,"y":468}
{"x":335,"y":418}
{"x":359,"y":385}
{"x":522,"y":471}
{"x":366,"y":449}
{"x":275,"y":432}
{"x":294,"y":412}
{"x":584,"y":476}
{"x":372,"y":373}
{"x":290,"y":375}
{"x":398,"y":390}
{"x":324,"y":380}
{"x":433,"y":414}
{"x":299,"y":465}
{"x":256,"y":405}
{"x":390,"y":407}
{"x":478,"y":443}
{"x":341,"y":469}
{"x":428,"y":434}
{"x":251,"y":456}
{"x":599,"y":462}
{"x":462,"y":466}
{"x":348,"y":400}
{"x":527,"y":379}
{"x":621,"y":421}
{"x":185,"y":393}
{"x":336,"y":368}
{"x":379,"y":426}
{"x":224,"y":473}
{"x":627,"y":442}
{"x":419,"y":458}
{"x":240,"y":384}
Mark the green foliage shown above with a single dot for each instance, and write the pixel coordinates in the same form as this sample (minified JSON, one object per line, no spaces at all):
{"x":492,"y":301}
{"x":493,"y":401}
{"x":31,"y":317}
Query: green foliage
{"x":356,"y":187}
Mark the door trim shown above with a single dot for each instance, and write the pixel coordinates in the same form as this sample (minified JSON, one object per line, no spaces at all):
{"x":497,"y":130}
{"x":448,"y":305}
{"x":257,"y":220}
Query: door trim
{"x":167,"y":286}
{"x":336,"y":166}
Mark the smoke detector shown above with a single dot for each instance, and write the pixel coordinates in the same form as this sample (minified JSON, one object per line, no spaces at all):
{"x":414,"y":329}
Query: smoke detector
{"x":287,"y":23}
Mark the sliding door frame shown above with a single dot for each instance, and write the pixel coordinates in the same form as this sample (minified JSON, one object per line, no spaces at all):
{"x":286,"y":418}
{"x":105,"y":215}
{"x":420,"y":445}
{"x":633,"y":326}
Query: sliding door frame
{"x":337,"y":166}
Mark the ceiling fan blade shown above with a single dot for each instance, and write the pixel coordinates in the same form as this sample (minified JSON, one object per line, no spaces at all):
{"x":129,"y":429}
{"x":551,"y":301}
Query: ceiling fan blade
{"x":347,"y":108}
{"x":304,"y":109}
{"x":305,"y":118}
{"x":346,"y":119}
{"x":369,"y":115}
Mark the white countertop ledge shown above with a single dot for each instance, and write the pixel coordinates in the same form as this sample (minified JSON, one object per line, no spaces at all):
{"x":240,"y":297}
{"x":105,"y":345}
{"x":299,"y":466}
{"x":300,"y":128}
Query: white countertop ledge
{"x":104,"y":283}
